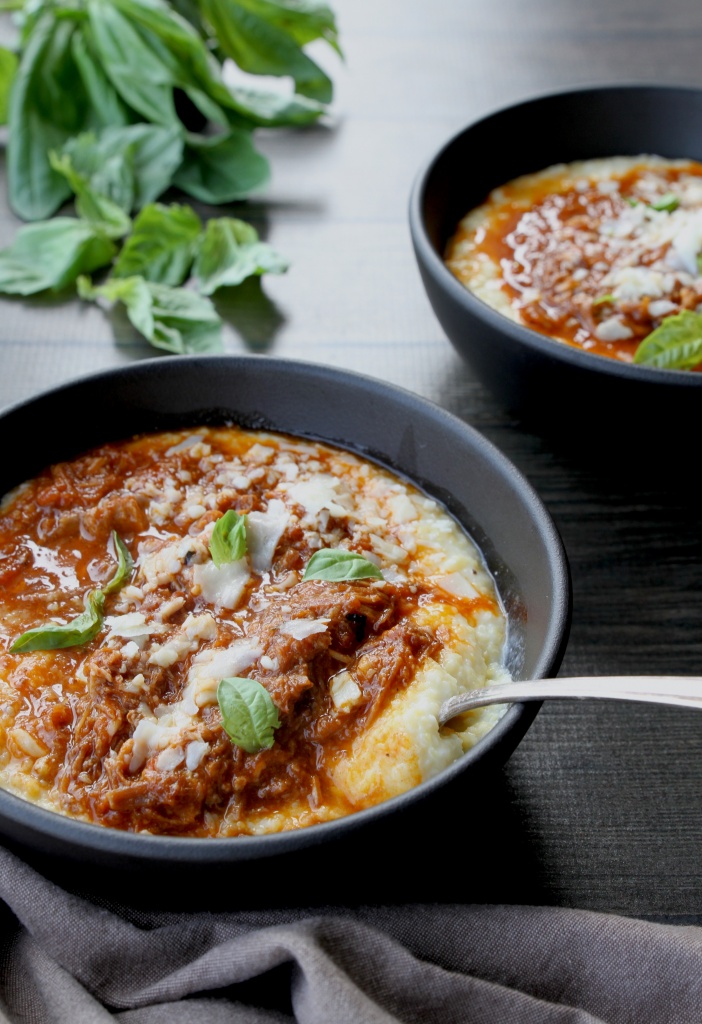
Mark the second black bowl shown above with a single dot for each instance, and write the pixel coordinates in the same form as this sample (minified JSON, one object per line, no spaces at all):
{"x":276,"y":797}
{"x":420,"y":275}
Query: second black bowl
{"x":540,"y":379}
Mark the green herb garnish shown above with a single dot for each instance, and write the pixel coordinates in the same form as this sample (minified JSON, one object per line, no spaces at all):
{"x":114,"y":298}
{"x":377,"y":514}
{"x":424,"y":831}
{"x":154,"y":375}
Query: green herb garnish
{"x":338,"y":565}
{"x":81,"y":630}
{"x":91,"y":205}
{"x":113,"y":102}
{"x":249,"y":716}
{"x":50,"y":255}
{"x":130,"y":164}
{"x":229,"y":252}
{"x":86,"y":626}
{"x":228,"y":541}
{"x":675,"y":345}
{"x":125,"y":565}
{"x":667,"y":203}
{"x":162,"y":245}
{"x":603,"y":299}
{"x":174,"y":319}
{"x":96,"y":64}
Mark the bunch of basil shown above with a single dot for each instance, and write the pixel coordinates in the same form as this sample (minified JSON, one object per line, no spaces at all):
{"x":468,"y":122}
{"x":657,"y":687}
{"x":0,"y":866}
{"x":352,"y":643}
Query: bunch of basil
{"x":116,"y":101}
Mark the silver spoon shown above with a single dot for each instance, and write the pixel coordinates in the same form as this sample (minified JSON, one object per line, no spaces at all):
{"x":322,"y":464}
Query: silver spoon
{"x":679,"y":691}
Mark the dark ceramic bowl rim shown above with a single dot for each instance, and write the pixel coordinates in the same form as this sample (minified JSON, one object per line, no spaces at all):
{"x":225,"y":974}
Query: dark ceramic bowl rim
{"x":427,"y":253}
{"x":176,"y":851}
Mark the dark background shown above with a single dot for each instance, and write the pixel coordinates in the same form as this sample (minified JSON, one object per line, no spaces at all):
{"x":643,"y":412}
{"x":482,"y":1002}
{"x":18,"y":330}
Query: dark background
{"x":600,"y":805}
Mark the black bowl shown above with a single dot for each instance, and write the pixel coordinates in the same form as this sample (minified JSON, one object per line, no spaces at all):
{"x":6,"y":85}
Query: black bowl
{"x":541,"y":380}
{"x":439,"y":452}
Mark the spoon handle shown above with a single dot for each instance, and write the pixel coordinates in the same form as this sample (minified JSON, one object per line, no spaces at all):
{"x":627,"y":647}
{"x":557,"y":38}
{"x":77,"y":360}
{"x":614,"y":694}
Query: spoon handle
{"x":679,"y":691}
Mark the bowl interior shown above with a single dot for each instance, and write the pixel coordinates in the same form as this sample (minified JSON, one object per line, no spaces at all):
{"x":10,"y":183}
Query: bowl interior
{"x":435,"y":450}
{"x":559,"y":128}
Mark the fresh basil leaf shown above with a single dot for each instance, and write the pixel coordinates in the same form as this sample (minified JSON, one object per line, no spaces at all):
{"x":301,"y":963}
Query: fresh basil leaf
{"x":173,"y":319}
{"x":51,"y":254}
{"x":108,"y":174}
{"x":134,"y":68}
{"x":184,"y":59}
{"x":272,"y":110}
{"x":86,"y":626}
{"x":48,"y":105}
{"x":249,"y":716}
{"x":188,"y":65}
{"x":675,"y":345}
{"x":337,"y":564}
{"x":52,"y":636}
{"x":156,"y":153}
{"x":125,"y":565}
{"x":162,"y":245}
{"x":107,"y":107}
{"x":8,"y":70}
{"x":106,"y":216}
{"x":304,"y":20}
{"x":221,"y":168}
{"x":229,"y":252}
{"x":667,"y":203}
{"x":228,"y":540}
{"x":131,"y":165}
{"x":255,"y":36}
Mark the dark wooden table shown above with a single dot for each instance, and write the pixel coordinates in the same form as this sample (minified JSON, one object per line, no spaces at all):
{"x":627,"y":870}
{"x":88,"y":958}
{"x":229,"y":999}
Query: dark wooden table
{"x":601,"y":805}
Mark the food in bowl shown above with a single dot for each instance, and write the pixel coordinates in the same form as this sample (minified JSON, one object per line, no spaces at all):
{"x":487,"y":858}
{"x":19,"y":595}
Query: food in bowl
{"x":218,"y":632}
{"x":604,"y":255}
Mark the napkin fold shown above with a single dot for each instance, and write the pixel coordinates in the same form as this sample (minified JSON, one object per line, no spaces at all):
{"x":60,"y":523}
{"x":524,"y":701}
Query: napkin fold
{"x":66,"y":959}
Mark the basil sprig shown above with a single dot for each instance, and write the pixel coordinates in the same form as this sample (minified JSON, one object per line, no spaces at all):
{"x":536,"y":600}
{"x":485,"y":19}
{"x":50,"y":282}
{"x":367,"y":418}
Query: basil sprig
{"x":81,"y":630}
{"x":228,"y":540}
{"x":675,"y":345}
{"x":249,"y":716}
{"x":86,"y":626}
{"x":93,"y":64}
{"x":337,"y":564}
{"x":112,"y":103}
{"x":175,"y":319}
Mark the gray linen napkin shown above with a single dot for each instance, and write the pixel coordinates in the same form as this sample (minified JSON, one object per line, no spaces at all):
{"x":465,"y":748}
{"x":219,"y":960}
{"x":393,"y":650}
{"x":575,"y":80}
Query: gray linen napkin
{"x":65,"y":960}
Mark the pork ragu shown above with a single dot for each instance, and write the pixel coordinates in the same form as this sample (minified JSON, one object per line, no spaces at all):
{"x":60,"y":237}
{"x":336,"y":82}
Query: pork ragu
{"x":598,"y":254}
{"x":141,"y":575}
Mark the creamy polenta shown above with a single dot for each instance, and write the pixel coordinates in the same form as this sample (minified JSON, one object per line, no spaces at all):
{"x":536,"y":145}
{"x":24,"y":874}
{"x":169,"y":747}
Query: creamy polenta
{"x":218,"y":632}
